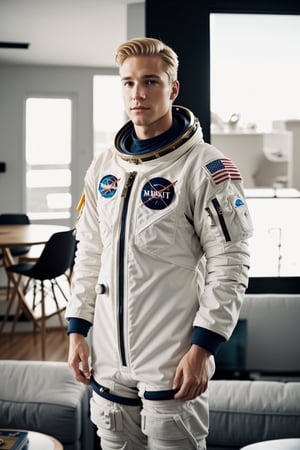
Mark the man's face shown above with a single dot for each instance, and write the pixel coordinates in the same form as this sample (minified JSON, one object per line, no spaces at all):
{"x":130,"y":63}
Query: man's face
{"x":147,"y":94}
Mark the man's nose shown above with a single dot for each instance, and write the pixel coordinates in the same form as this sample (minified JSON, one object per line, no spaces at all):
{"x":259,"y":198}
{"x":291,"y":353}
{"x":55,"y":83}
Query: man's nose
{"x":138,"y":93}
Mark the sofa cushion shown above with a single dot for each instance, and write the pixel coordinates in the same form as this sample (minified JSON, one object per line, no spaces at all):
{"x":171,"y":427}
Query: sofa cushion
{"x":43,"y":396}
{"x":243,"y":412}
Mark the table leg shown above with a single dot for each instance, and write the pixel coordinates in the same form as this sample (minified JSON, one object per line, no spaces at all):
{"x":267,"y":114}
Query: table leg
{"x":16,"y":293}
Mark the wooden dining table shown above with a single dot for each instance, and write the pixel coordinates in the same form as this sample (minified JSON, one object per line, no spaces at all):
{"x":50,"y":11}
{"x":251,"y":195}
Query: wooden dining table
{"x":12,"y":236}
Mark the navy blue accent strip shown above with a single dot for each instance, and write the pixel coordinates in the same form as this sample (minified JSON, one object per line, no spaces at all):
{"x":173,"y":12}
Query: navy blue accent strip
{"x":77,"y":325}
{"x":128,"y":188}
{"x":207,"y":339}
{"x":160,"y":395}
{"x":221,"y":219}
{"x":105,"y":393}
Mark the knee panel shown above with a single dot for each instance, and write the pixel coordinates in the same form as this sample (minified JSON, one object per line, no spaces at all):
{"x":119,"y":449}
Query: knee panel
{"x":172,"y":432}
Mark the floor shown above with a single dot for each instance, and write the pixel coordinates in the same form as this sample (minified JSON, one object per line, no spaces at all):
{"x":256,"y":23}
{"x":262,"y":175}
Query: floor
{"x":27,"y":346}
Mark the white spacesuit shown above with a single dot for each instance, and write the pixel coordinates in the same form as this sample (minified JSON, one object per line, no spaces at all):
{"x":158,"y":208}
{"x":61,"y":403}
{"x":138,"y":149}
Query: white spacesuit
{"x":162,"y":262}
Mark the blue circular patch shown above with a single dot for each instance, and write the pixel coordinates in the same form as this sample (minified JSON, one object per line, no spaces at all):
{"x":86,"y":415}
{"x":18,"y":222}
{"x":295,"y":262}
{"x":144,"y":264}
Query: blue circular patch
{"x":108,"y":186}
{"x":158,"y":193}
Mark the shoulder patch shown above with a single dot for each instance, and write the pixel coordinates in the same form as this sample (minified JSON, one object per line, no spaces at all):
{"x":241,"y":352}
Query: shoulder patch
{"x":223,"y":169}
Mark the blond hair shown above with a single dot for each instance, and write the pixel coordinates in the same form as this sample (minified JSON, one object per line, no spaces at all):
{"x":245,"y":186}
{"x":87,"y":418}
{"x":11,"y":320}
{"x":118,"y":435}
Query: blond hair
{"x":149,"y":47}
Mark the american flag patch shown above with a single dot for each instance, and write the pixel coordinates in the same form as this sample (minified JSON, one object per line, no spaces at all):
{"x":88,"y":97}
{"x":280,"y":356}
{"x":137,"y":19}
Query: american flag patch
{"x":223,"y":169}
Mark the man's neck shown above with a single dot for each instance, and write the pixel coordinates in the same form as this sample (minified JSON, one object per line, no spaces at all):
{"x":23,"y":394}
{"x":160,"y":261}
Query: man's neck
{"x":154,"y":129}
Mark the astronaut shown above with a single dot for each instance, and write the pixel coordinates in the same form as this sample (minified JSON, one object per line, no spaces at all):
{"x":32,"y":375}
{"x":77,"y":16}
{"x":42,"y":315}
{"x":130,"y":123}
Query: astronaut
{"x":161,"y":266}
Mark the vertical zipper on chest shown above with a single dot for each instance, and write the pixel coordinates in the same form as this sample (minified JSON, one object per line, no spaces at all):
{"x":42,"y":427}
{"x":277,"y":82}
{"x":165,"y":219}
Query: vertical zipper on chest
{"x":126,"y":195}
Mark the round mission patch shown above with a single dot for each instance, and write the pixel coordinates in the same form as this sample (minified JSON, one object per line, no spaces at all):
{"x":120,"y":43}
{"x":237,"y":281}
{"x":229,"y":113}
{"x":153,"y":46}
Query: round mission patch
{"x":108,"y":186}
{"x":158,"y":193}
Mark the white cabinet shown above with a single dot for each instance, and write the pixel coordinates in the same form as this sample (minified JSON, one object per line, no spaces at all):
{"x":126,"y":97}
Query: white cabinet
{"x":293,"y":125}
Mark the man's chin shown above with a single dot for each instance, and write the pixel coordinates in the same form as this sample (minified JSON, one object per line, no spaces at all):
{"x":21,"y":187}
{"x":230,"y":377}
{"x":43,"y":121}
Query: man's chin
{"x":139,"y":122}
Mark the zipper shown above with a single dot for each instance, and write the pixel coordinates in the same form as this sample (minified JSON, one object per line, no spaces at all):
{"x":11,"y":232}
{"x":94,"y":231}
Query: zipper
{"x":219,"y":212}
{"x":126,"y":195}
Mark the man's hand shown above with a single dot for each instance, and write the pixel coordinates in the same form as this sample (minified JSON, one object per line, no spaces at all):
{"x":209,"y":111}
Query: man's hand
{"x":191,"y":376}
{"x":78,"y":357}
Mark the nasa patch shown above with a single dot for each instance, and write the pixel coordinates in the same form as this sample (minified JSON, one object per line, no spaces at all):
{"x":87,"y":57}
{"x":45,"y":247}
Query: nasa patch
{"x":108,"y":186}
{"x":158,"y":193}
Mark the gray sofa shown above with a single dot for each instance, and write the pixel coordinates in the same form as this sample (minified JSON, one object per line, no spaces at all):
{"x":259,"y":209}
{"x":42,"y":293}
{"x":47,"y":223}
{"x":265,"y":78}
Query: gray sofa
{"x":44,"y":397}
{"x":267,"y":404}
{"x":243,"y":412}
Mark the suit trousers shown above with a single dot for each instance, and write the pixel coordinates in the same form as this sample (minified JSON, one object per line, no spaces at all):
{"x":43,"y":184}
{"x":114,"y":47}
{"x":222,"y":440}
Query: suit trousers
{"x":156,"y":425}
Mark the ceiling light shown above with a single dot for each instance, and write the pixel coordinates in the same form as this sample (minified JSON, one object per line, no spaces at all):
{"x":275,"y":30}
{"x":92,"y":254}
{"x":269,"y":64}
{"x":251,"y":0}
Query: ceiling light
{"x":15,"y":45}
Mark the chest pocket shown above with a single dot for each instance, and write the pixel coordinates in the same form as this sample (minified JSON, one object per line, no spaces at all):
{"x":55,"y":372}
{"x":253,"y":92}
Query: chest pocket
{"x":155,"y":231}
{"x":156,"y":215}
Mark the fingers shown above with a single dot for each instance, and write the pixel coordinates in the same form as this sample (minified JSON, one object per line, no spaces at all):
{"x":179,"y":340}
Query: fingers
{"x":75,"y":362}
{"x":85,"y":368}
{"x":177,"y":378}
{"x":190,"y":386}
{"x":83,"y":378}
{"x":78,"y":359}
{"x":191,"y":375}
{"x":190,"y":390}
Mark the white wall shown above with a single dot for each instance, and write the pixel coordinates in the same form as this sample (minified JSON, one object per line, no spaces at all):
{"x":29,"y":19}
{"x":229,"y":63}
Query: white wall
{"x":135,"y":20}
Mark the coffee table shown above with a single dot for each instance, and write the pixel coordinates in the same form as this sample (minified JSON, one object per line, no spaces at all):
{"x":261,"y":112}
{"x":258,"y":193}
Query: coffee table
{"x":41,"y":441}
{"x":38,"y":441}
{"x":276,"y":444}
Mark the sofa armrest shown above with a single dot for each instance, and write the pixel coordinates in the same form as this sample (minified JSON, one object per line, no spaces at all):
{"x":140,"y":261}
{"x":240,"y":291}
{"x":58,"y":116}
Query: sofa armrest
{"x":243,"y":412}
{"x":43,"y":396}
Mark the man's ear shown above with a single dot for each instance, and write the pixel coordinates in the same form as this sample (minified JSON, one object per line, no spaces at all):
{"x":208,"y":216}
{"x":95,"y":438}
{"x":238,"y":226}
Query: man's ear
{"x":174,"y":90}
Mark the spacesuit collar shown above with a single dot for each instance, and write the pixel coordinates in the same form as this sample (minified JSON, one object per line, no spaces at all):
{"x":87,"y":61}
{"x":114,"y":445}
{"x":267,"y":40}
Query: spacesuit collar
{"x":192,"y":124}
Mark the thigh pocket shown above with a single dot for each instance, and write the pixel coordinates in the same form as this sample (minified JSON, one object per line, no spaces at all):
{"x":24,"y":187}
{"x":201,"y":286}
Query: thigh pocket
{"x":170,"y":428}
{"x":106,"y":416}
{"x":160,"y":427}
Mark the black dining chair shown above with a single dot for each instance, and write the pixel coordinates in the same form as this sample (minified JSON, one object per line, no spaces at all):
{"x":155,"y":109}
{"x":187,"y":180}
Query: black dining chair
{"x":14,"y":219}
{"x":55,"y":260}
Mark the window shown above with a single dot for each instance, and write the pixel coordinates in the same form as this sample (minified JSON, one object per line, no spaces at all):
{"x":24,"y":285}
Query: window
{"x":274,"y":247}
{"x":109,"y":115}
{"x":48,"y":158}
{"x":254,"y":67}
